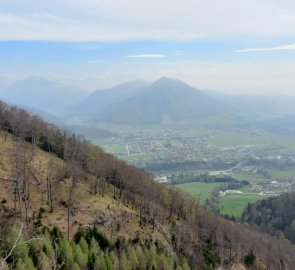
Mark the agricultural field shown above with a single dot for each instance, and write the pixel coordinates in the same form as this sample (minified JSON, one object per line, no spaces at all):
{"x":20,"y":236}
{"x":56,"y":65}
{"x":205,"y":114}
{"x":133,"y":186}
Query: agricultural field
{"x":228,"y":138}
{"x":234,"y":204}
{"x":199,"y":190}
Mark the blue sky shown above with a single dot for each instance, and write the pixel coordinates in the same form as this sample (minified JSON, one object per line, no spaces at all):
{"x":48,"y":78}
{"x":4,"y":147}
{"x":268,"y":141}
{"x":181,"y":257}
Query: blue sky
{"x":232,"y":46}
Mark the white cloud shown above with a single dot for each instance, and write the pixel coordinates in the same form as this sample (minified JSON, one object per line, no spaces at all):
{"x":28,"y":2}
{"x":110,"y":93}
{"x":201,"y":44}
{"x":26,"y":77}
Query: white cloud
{"x":146,"y":56}
{"x":287,"y":47}
{"x":92,"y":20}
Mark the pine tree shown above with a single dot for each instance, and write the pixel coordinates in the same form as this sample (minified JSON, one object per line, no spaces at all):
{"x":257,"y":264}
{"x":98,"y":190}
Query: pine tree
{"x":79,"y":256}
{"x":66,"y":254}
{"x":100,"y":262}
{"x":108,"y":262}
{"x":84,"y":246}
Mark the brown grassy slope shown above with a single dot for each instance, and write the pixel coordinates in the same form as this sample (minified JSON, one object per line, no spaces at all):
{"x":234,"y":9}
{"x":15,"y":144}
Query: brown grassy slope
{"x":111,"y":216}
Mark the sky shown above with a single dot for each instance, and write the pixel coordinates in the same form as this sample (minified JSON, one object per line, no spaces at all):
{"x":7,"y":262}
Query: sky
{"x":245,"y":46}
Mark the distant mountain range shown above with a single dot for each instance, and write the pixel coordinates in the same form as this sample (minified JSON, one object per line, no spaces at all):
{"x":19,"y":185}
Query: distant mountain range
{"x":165,"y":100}
{"x":41,"y":94}
{"x":99,"y":101}
{"x":137,"y":102}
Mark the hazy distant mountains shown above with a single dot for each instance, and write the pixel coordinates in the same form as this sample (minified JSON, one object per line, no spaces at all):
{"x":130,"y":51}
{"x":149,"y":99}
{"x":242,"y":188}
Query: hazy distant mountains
{"x":97,"y":102}
{"x":138,"y":102}
{"x":165,"y":100}
{"x":41,"y":94}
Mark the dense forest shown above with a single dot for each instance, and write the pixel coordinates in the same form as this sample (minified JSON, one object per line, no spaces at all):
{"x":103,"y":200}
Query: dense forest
{"x":274,"y":215}
{"x":166,"y":219}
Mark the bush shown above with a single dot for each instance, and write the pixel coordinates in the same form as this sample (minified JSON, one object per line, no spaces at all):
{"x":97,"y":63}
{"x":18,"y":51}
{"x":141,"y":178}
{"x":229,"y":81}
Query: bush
{"x":249,"y":259}
{"x":211,"y":259}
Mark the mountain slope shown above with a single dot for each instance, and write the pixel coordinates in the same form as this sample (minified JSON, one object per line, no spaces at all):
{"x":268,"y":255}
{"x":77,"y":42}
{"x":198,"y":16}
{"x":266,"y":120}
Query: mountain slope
{"x":165,"y":100}
{"x":41,"y":94}
{"x":100,"y":100}
{"x":74,"y":184}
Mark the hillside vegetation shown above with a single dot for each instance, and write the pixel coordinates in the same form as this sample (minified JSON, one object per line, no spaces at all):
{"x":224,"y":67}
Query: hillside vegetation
{"x":275,"y":216}
{"x":55,"y":181}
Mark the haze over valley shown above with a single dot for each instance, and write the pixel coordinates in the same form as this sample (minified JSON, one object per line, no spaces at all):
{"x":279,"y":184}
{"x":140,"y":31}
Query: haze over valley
{"x":147,"y":135}
{"x":178,"y":132}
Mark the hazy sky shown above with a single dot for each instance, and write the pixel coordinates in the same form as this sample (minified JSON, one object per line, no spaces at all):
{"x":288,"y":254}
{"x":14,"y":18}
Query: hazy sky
{"x":228,"y":45}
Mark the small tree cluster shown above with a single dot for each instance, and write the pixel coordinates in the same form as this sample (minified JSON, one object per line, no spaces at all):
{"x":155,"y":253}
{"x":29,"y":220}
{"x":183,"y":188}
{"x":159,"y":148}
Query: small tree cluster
{"x":90,"y":250}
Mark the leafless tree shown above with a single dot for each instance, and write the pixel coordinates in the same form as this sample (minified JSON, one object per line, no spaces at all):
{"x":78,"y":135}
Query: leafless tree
{"x":54,"y":175}
{"x":18,"y":242}
{"x":22,"y":155}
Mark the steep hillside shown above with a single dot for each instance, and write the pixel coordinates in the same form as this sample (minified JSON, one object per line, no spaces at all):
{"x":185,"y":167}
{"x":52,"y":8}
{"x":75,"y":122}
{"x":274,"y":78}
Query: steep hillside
{"x":165,"y":100}
{"x":275,"y":215}
{"x":41,"y":94}
{"x":105,"y":211}
{"x":53,"y":178}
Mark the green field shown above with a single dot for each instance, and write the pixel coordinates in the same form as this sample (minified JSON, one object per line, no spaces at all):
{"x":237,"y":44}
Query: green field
{"x":234,"y":204}
{"x":247,"y":189}
{"x":283,"y":142}
{"x":199,"y":190}
{"x":251,"y":177}
{"x":237,"y":138}
{"x":275,"y":174}
{"x":230,"y":204}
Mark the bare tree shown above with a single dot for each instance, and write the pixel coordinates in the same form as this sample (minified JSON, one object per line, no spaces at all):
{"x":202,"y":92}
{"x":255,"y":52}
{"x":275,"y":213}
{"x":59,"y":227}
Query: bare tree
{"x":22,"y":155}
{"x":18,"y":242}
{"x":54,"y":175}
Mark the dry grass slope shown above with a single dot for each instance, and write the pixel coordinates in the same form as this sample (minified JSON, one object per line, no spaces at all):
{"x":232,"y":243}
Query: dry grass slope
{"x":111,"y":216}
